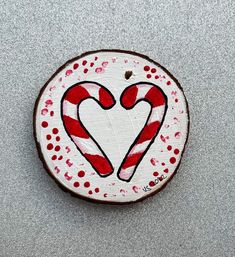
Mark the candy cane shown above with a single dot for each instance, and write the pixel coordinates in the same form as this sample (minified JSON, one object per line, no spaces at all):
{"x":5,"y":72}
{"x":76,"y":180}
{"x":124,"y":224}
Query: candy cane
{"x":157,"y":99}
{"x":84,"y":142}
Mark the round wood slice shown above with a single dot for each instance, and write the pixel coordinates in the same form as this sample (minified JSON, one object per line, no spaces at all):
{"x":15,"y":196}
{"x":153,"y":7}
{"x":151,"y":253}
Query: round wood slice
{"x":111,"y":126}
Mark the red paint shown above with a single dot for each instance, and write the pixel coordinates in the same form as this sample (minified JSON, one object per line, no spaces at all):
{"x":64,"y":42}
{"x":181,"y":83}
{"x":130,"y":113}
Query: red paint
{"x":67,"y":177}
{"x":96,"y":58}
{"x":148,"y":132}
{"x":146,"y":68}
{"x":155,"y":173}
{"x":74,"y":127}
{"x":129,"y":97}
{"x":57,"y":138}
{"x":76,"y":184}
{"x":68,"y":72}
{"x":44,"y":124}
{"x":172,"y":160}
{"x":49,"y":147}
{"x":152,"y":184}
{"x":99,"y":70}
{"x":166,"y":170}
{"x":100,"y":163}
{"x":54,"y":157}
{"x":104,"y":64}
{"x":90,"y":192}
{"x":76,"y":94}
{"x":69,"y":163}
{"x":178,"y":135}
{"x":155,"y":97}
{"x":87,"y":184}
{"x":52,"y":113}
{"x":168,"y":83}
{"x":48,"y":137}
{"x":153,"y":70}
{"x":55,"y":131}
{"x":135,"y":189}
{"x":75,"y":66}
{"x":57,"y":148}
{"x":153,"y":161}
{"x":81,"y":173}
{"x":84,"y":62}
{"x":105,"y":98}
{"x":156,"y":77}
{"x":44,"y":111}
{"x":60,"y":158}
{"x":91,"y":64}
{"x":148,"y":76}
{"x":131,"y":160}
{"x":85,"y":70}
{"x":176,"y":100}
{"x":163,"y":164}
{"x":48,"y":103}
{"x":169,"y":147}
{"x":176,"y":151}
{"x":97,"y":190}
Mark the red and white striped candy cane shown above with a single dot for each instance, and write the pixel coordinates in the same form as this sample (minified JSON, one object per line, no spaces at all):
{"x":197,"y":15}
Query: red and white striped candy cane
{"x":85,"y":143}
{"x":157,"y":99}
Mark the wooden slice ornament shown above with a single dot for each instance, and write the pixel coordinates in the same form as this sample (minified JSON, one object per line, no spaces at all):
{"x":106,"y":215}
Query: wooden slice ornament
{"x":111,"y":126}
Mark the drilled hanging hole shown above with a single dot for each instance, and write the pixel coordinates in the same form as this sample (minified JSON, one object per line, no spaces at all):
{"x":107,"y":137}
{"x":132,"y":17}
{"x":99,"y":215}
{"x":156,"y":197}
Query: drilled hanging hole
{"x":128,"y":74}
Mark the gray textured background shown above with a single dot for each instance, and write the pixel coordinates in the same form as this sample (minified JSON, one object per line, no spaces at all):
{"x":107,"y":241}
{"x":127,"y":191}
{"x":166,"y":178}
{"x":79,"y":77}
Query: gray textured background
{"x":194,"y":215}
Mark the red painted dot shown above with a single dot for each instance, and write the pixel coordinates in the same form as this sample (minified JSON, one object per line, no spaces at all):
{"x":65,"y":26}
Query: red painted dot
{"x":148,"y":76}
{"x":96,"y":58}
{"x":55,"y":131}
{"x":155,"y":174}
{"x":172,"y":160}
{"x":48,"y":137}
{"x":44,"y":124}
{"x":169,"y":147}
{"x":163,"y":164}
{"x":52,"y":113}
{"x":57,"y":138}
{"x":54,"y":157}
{"x":60,"y":158}
{"x":75,"y":66}
{"x":84,"y":62}
{"x":151,"y":183}
{"x":76,"y":184}
{"x":156,"y":77}
{"x":57,"y":148}
{"x":176,"y":100}
{"x":166,"y":170}
{"x":49,"y":146}
{"x":86,"y":184}
{"x":97,"y":190}
{"x":85,"y":70}
{"x":168,"y":83}
{"x":81,"y":173}
{"x":160,"y":178}
{"x":153,"y":70}
{"x":91,"y":64}
{"x":176,"y":151}
{"x":90,"y":192}
{"x":146,"y":68}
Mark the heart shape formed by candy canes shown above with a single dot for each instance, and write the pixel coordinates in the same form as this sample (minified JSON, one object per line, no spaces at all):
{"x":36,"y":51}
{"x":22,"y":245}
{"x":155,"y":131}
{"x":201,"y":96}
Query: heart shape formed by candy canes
{"x":88,"y":146}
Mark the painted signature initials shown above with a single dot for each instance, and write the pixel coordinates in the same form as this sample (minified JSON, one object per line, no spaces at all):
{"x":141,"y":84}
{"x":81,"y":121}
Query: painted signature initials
{"x":156,"y":181}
